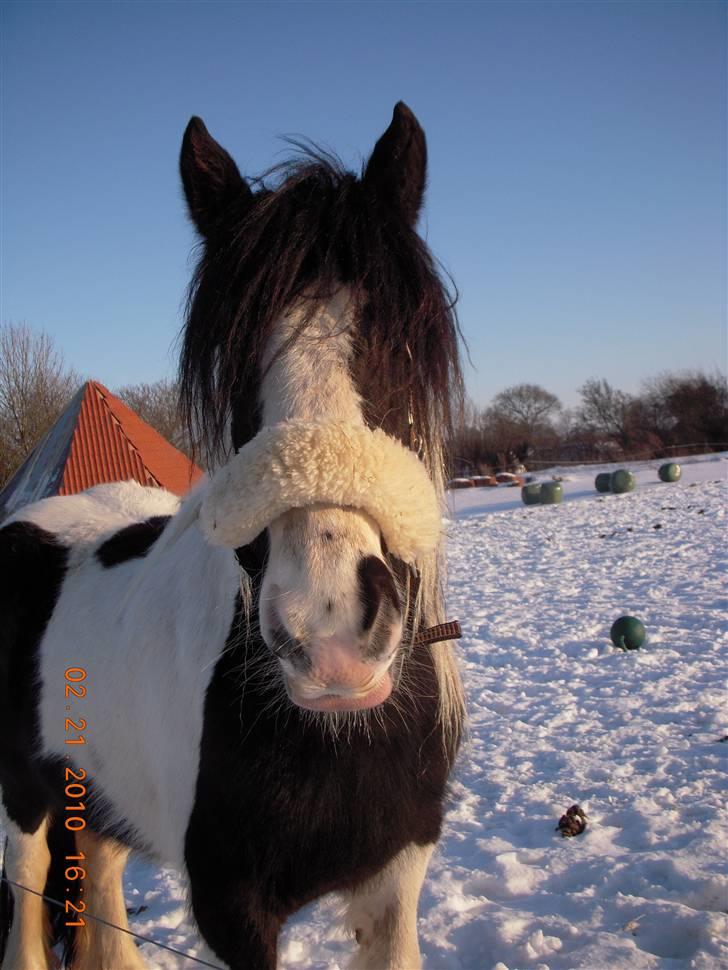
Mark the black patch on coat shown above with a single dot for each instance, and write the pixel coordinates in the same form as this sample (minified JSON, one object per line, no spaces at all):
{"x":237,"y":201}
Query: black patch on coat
{"x":32,"y":567}
{"x":283,"y":813}
{"x":253,"y":557}
{"x":131,"y":542}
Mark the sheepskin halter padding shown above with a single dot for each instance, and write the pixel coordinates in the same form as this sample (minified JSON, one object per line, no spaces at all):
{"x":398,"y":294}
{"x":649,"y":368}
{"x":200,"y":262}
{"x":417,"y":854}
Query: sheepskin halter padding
{"x":296,"y":464}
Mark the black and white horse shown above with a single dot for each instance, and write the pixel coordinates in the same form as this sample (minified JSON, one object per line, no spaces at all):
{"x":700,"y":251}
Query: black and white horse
{"x":231,"y":684}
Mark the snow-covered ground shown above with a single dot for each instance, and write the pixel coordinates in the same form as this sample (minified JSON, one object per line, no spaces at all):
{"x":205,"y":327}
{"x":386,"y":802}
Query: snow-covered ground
{"x":559,"y":716}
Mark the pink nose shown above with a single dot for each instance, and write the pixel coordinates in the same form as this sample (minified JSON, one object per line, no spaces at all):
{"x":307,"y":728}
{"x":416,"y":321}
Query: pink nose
{"x":338,"y":680}
{"x":336,"y":663}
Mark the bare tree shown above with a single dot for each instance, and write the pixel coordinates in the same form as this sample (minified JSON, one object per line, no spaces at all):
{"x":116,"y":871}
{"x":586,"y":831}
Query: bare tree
{"x":688,"y":407}
{"x":605,"y":411}
{"x":516,"y":426}
{"x":528,"y":405}
{"x":520,"y":422}
{"x":35,"y":387}
{"x":158,"y":405}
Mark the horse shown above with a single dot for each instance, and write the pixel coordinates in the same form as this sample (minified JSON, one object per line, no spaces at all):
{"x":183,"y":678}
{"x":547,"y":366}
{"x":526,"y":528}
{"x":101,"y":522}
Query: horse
{"x":233,"y":682}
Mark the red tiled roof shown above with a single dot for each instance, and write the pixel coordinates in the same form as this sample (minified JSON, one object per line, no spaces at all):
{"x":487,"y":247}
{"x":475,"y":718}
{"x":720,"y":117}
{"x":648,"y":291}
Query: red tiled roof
{"x":110,"y":443}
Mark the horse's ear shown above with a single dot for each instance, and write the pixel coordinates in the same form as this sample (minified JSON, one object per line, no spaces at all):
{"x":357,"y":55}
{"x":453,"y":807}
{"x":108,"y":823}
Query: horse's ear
{"x":210,"y":177}
{"x":397,"y":169}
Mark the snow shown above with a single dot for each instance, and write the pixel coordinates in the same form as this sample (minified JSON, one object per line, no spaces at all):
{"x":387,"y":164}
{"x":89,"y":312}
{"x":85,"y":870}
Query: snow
{"x":559,"y":716}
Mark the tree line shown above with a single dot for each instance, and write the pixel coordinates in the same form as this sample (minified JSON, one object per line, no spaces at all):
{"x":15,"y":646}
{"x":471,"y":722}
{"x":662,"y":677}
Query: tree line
{"x":527,"y":425}
{"x":524,"y":424}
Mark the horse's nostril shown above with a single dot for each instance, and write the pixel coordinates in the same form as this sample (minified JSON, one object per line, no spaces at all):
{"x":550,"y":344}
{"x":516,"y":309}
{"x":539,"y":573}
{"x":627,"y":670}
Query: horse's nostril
{"x":286,"y":647}
{"x":375,"y":585}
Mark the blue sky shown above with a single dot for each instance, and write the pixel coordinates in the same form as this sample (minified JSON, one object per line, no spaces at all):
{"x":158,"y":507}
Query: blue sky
{"x":577,"y":187}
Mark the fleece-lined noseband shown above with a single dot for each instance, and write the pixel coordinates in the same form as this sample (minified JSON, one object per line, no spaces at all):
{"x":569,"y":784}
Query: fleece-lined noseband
{"x":296,"y":464}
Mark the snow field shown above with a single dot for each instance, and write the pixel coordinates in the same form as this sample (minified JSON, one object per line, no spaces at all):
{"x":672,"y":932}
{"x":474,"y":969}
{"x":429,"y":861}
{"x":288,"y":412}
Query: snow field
{"x":559,"y":716}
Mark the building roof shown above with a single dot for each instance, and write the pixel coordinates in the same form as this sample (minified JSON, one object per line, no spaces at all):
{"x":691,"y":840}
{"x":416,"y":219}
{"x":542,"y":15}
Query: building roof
{"x":97,"y":439}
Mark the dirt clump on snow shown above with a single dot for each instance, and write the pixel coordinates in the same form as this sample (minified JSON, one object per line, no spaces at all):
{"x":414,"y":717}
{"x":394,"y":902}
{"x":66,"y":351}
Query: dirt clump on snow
{"x":573,"y":822}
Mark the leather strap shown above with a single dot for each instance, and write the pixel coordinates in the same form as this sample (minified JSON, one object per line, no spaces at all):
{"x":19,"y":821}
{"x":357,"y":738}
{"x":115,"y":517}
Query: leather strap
{"x":436,"y":634}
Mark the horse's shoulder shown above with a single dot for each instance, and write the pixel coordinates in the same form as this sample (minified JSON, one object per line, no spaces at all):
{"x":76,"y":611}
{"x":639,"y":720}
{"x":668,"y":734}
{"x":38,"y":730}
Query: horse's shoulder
{"x":80,"y":521}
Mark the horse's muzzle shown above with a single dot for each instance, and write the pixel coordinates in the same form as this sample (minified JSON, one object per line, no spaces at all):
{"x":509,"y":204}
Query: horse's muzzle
{"x":335,"y":696}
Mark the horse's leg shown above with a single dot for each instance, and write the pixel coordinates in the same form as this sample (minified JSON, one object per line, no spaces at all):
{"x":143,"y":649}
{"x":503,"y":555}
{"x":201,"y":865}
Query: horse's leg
{"x":383,"y":913}
{"x":27,"y":860}
{"x":239,"y":932}
{"x":99,"y":947}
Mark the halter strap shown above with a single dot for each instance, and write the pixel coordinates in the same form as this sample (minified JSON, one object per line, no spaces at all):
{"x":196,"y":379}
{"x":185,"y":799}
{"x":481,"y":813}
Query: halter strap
{"x":432,"y":634}
{"x":436,"y":634}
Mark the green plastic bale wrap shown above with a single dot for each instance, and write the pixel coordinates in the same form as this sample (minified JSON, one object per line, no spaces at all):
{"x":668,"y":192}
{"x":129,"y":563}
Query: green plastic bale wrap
{"x":670,"y":472}
{"x":551,"y":493}
{"x":622,"y":481}
{"x":627,"y":633}
{"x":531,"y":494}
{"x":603,"y":482}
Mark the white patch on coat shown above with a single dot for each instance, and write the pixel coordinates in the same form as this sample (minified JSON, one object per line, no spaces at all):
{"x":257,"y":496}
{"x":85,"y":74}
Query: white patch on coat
{"x":147,"y":666}
{"x":27,"y":861}
{"x":96,"y":945}
{"x":311,"y":589}
{"x":306,"y":367}
{"x":383,"y":913}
